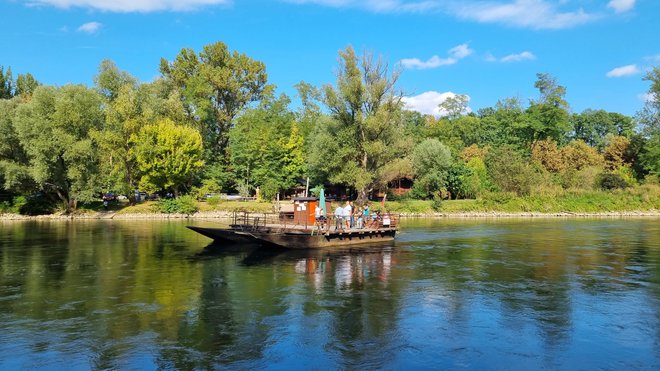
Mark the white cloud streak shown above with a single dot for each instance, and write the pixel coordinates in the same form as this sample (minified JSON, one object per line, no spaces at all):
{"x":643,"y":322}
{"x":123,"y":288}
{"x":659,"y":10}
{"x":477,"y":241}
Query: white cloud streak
{"x":90,"y":27}
{"x":427,"y":103}
{"x":621,"y":6}
{"x":128,"y":6}
{"x":534,"y":14}
{"x":622,"y":71}
{"x":524,"y":56}
{"x":455,"y":54}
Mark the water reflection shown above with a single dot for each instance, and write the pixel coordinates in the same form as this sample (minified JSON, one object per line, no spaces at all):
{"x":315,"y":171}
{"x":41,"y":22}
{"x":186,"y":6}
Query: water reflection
{"x":446,"y":294}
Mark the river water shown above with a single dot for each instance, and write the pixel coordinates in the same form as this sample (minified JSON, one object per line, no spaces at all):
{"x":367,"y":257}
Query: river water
{"x":447,"y":294}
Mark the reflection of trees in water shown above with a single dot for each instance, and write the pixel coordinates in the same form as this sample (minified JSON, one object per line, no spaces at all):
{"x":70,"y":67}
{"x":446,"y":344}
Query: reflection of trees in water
{"x":353,"y":291}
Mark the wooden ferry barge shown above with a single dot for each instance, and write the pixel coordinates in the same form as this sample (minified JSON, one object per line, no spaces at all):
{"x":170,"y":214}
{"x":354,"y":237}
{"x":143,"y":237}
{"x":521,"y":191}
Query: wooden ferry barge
{"x":303,"y":230}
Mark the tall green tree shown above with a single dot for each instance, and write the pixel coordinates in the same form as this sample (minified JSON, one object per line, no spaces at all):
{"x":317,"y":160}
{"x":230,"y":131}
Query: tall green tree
{"x":128,"y":107}
{"x":649,"y":120}
{"x":593,"y":126}
{"x":216,"y":85}
{"x":168,"y":156}
{"x":547,"y":118}
{"x":6,"y":83}
{"x":25,"y":85}
{"x":267,"y":148}
{"x":14,"y":160}
{"x":431,"y":161}
{"x":364,"y":138}
{"x":54,"y":129}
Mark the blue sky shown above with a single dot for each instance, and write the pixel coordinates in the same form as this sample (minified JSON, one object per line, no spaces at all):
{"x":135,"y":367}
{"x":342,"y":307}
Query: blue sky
{"x":486,"y":49}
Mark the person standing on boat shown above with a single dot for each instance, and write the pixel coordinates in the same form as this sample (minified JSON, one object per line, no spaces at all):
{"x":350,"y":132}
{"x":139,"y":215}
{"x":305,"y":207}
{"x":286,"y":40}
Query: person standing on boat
{"x":320,"y":217}
{"x":348,"y":214}
{"x":339,"y":214}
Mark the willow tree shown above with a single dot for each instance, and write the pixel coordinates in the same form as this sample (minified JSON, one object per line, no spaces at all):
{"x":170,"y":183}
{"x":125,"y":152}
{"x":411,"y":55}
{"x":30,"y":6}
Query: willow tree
{"x":363,"y":144}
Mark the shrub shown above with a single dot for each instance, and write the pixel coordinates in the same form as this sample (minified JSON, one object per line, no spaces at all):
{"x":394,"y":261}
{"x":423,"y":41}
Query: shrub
{"x":609,"y":181}
{"x":180,"y":205}
{"x":213,"y":201}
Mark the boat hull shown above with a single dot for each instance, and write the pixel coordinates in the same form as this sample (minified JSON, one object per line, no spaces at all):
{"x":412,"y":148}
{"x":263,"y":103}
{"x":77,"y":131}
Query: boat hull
{"x":299,"y":239}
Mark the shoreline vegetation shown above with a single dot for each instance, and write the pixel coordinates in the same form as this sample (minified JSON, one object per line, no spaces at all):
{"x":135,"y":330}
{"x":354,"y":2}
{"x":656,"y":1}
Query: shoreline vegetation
{"x":638,"y":201}
{"x":211,"y":125}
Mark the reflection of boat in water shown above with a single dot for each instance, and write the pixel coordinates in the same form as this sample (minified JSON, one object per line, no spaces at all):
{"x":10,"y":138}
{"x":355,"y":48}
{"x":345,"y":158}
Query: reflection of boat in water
{"x":273,"y":230}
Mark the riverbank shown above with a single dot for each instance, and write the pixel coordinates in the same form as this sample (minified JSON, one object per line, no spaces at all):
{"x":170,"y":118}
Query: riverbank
{"x":641,"y":201}
{"x":229,"y":215}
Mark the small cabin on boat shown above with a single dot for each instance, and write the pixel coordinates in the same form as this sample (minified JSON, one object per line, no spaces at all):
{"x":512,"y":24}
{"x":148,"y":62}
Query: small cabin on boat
{"x":304,"y":209}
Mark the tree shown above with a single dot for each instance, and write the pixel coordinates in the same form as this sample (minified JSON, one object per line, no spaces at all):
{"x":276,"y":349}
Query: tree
{"x":455,"y":106}
{"x":215,"y":86}
{"x":6,"y":83}
{"x":649,"y":120}
{"x":25,"y":85}
{"x":592,"y":126}
{"x":547,"y":118}
{"x":266,"y":147}
{"x":14,"y":160}
{"x":54,"y":129}
{"x":128,"y":107}
{"x":431,"y":162}
{"x":364,"y":137}
{"x":168,"y":155}
{"x":510,"y":171}
{"x":110,"y":79}
{"x":578,"y":155}
{"x":548,"y":155}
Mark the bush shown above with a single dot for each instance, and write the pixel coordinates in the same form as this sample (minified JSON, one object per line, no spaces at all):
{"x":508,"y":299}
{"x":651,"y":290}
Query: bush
{"x":609,"y":181}
{"x":213,"y":201}
{"x":180,"y":205}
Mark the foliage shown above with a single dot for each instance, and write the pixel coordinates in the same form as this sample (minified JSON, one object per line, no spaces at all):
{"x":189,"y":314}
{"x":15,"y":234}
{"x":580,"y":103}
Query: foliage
{"x":54,"y":129}
{"x":431,"y":163}
{"x":616,"y":152}
{"x":208,"y":186}
{"x":546,"y":153}
{"x":578,"y":155}
{"x":180,"y":205}
{"x":609,"y":181}
{"x":365,"y":133}
{"x":267,"y":149}
{"x":215,"y":85}
{"x":510,"y":172}
{"x":649,"y":120}
{"x":168,"y":156}
{"x":593,"y":126}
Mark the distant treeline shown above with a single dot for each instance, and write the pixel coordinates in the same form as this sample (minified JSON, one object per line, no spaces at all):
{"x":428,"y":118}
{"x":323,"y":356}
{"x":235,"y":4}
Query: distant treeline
{"x":212,"y":123}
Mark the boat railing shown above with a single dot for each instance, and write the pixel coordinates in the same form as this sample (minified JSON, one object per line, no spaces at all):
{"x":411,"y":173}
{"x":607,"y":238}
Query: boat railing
{"x":248,"y":221}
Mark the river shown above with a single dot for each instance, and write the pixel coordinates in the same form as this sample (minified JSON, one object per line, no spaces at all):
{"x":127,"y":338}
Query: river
{"x":447,"y":294}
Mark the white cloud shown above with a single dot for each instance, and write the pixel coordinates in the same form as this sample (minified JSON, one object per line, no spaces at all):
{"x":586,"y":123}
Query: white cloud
{"x":621,"y":6}
{"x":517,"y":57}
{"x":427,"y":103}
{"x":524,"y":56}
{"x":535,"y":14}
{"x":460,"y":51}
{"x":622,"y":71}
{"x":455,"y":54}
{"x":646,"y":97}
{"x":376,"y":5}
{"x":90,"y":27}
{"x":653,"y":58}
{"x":126,"y":6}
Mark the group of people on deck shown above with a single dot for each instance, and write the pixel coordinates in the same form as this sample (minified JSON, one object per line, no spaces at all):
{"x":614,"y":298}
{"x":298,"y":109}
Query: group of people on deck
{"x":348,"y":216}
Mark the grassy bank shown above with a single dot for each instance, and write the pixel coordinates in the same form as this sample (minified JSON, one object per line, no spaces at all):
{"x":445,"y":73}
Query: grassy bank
{"x":644,"y":199}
